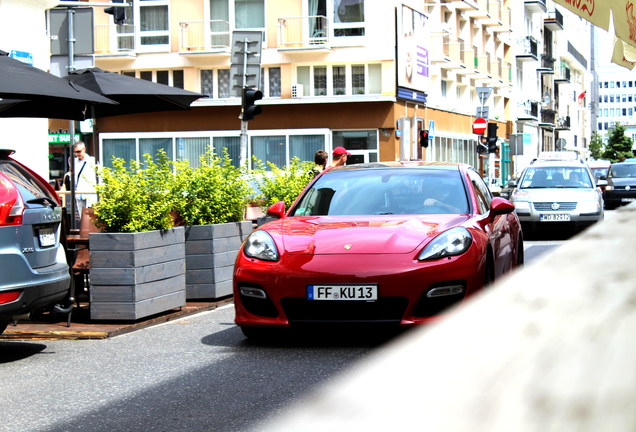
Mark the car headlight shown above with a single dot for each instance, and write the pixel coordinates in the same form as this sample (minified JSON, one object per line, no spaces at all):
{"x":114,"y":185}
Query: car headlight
{"x":260,"y":245}
{"x":455,"y":241}
{"x":609,"y":187}
{"x":522,"y":206}
{"x":589,"y":207}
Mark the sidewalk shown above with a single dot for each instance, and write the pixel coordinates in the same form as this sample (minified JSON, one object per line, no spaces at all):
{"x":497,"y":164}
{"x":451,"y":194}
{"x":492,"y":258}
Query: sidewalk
{"x":52,"y":327}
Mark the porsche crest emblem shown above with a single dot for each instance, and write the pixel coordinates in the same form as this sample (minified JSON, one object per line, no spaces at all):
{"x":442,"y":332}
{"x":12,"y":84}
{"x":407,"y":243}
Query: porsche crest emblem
{"x":348,"y":246}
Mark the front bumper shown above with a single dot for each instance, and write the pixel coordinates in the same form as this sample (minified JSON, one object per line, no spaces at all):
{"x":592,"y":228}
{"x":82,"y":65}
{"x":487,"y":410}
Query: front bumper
{"x":275,"y":294}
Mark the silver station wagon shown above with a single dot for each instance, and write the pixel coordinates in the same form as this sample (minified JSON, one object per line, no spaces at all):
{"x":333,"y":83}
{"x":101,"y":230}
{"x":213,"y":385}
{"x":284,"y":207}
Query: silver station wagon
{"x":553,"y":193}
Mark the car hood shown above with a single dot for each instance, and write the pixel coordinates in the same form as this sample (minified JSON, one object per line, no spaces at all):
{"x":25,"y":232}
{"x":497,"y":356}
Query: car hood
{"x":555,"y":194}
{"x":623,"y":181}
{"x":363,"y":235}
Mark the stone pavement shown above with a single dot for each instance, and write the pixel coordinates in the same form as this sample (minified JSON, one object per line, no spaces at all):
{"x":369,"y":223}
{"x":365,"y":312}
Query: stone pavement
{"x":52,"y":326}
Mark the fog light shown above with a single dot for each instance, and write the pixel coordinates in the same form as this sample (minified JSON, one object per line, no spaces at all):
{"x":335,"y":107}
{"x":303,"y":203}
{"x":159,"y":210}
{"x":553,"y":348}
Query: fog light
{"x":445,"y":291}
{"x":253,"y":292}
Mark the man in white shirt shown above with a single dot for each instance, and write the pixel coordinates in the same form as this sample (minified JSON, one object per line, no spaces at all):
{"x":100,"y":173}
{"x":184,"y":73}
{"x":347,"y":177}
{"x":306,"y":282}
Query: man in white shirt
{"x":85,"y":178}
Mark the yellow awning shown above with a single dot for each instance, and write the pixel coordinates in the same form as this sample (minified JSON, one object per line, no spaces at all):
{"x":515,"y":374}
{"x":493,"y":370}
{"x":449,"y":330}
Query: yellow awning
{"x":624,"y":55}
{"x":595,"y":11}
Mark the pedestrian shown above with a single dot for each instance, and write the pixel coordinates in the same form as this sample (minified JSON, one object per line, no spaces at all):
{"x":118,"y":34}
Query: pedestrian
{"x":85,"y":178}
{"x":339,"y":157}
{"x":320,"y":158}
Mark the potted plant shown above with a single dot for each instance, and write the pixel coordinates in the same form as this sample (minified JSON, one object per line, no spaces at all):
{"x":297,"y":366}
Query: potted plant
{"x":211,"y":200}
{"x":138,"y":257}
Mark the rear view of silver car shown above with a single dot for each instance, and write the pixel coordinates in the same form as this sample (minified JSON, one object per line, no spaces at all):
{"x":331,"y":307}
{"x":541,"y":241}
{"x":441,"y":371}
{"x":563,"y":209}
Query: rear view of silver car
{"x":557,"y":194}
{"x":34,"y":272}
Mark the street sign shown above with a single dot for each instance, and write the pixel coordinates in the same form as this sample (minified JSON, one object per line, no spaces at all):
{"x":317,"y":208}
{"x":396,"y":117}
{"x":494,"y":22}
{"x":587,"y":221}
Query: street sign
{"x":479,"y":126}
{"x":245,"y":66}
{"x":483,"y":112}
{"x":431,"y":129}
{"x":483,"y":93}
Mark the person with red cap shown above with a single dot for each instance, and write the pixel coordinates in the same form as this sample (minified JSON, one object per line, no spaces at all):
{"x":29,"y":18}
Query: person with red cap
{"x":339,"y":157}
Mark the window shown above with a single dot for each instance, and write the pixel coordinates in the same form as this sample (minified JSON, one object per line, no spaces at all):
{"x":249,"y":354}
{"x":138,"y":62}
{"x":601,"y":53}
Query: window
{"x":244,"y":14}
{"x":172,"y":78}
{"x":339,"y":80}
{"x":191,"y":149}
{"x":271,"y":149}
{"x":224,"y":83}
{"x":320,"y":81}
{"x":152,"y":23}
{"x":346,"y":16}
{"x":207,"y":83}
{"x":357,"y":79}
{"x":274,"y":81}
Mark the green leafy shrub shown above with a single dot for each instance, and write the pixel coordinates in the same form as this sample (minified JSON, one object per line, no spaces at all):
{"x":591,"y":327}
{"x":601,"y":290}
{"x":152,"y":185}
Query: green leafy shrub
{"x":215,"y":192}
{"x":283,"y":184}
{"x":133,"y":198}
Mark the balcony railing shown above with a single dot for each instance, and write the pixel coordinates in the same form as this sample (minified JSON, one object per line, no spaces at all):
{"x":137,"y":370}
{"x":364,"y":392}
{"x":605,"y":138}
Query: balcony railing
{"x":547,"y":62}
{"x":563,"y":123}
{"x":554,"y":21}
{"x":529,"y":110}
{"x":548,"y":117}
{"x":563,"y":75}
{"x":304,"y":32}
{"x":529,"y":49}
{"x":204,"y":36}
{"x":114,"y":39}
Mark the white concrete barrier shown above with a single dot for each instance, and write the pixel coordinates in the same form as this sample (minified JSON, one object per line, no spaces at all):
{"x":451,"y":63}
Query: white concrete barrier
{"x":551,"y":347}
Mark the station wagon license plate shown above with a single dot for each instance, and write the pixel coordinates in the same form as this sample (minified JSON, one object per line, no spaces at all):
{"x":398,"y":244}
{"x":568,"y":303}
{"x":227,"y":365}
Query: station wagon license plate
{"x":342,"y":292}
{"x":558,"y":217}
{"x":46,"y":237}
{"x":627,"y":199}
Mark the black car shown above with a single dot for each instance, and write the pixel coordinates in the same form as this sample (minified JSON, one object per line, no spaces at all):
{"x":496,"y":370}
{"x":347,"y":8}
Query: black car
{"x":33,"y":263}
{"x":621,"y":185}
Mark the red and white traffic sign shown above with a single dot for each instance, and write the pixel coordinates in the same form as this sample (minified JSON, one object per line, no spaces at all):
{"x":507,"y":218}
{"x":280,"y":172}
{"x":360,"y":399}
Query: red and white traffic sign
{"x":479,"y":126}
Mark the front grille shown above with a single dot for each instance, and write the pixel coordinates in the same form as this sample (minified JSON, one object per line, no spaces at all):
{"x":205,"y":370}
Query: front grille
{"x":547,"y":206}
{"x":387,"y":309}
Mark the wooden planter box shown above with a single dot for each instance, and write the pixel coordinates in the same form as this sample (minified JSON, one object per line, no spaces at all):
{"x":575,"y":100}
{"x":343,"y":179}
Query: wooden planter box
{"x":134,"y":275}
{"x":210,"y":254}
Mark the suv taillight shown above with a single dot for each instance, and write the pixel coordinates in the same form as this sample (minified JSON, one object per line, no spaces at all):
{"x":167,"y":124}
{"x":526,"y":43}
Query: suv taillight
{"x":11,"y":204}
{"x":9,"y":296}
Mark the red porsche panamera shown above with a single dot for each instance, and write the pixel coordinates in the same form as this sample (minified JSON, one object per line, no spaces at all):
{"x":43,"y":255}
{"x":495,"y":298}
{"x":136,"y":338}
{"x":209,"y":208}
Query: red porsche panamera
{"x":375,"y":243}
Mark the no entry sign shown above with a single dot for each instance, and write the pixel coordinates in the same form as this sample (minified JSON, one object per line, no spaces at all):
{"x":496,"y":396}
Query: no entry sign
{"x":479,"y":126}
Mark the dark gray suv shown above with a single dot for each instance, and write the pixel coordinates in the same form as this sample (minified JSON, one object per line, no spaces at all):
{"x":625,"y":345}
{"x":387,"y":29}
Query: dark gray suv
{"x":34,"y":273}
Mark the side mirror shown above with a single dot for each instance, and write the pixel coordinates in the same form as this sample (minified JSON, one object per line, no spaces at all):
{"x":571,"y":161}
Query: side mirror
{"x":601,"y":182}
{"x":500,"y":206}
{"x":276,"y":210}
{"x":511,"y":184}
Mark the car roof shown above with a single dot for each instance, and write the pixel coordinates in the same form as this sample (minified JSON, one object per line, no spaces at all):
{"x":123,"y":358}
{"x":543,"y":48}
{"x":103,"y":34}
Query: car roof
{"x":557,"y":163}
{"x":451,"y":166}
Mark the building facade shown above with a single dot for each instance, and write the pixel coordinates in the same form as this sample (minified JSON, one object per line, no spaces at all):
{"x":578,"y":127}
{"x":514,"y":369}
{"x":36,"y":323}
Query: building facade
{"x":361,"y":74}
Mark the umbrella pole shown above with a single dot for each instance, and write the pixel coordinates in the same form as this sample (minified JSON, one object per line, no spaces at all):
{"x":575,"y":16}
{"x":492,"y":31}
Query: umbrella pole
{"x":71,"y":131}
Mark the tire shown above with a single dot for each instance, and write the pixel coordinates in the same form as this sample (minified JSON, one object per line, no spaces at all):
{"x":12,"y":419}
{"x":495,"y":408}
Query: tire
{"x":520,"y":252}
{"x":3,"y":326}
{"x":256,"y":333}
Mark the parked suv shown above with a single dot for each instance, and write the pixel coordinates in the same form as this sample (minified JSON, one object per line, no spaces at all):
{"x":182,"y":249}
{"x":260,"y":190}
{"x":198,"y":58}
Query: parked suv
{"x":557,"y":193}
{"x":35,"y":273}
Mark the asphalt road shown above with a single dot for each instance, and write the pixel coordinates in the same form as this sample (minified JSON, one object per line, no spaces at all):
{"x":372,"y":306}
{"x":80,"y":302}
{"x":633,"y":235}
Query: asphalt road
{"x":194,"y":374}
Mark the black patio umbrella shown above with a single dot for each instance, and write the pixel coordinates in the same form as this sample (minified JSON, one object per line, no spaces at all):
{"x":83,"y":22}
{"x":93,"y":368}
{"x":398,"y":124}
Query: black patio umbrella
{"x":134,"y":95}
{"x":26,"y":91}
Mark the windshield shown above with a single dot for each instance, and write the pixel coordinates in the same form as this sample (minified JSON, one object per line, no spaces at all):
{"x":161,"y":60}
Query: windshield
{"x":623,"y":170}
{"x":599,"y":172}
{"x":556,"y":177}
{"x":385,"y":191}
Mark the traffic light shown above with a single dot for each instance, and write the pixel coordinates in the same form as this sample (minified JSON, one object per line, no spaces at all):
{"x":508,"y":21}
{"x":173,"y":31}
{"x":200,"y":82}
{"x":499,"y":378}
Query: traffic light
{"x":248,"y":109}
{"x":481,"y":145}
{"x":118,"y":12}
{"x":423,"y":138}
{"x":492,"y":137}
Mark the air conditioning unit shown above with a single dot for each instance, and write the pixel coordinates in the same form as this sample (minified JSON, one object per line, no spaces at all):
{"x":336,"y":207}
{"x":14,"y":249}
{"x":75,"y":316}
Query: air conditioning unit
{"x":297,"y":90}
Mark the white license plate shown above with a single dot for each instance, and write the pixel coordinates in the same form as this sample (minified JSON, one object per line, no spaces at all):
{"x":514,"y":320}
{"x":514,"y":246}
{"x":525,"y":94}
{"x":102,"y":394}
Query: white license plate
{"x":342,"y":292}
{"x":627,"y":199}
{"x":46,"y":236}
{"x":555,"y":217}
